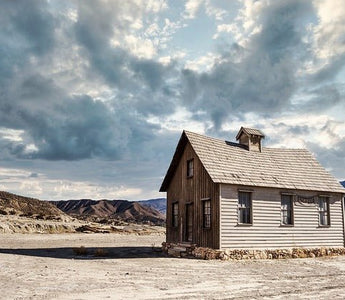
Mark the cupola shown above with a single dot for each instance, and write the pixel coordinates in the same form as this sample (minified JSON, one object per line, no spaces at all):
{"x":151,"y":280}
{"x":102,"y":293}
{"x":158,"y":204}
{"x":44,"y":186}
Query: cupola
{"x":251,"y":138}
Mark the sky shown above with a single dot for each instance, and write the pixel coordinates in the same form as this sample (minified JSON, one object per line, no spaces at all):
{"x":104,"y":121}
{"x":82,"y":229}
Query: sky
{"x":94,"y":95}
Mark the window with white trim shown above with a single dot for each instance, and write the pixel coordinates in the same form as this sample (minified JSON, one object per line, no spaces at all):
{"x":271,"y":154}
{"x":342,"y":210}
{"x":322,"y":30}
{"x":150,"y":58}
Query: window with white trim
{"x":324,"y":218}
{"x":244,"y":207}
{"x":286,"y":210}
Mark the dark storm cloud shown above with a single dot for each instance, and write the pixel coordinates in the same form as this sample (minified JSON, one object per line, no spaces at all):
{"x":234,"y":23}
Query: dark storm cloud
{"x":322,"y":98}
{"x":26,"y":30}
{"x":260,"y":78}
{"x":98,"y":23}
{"x":62,"y":126}
{"x":28,"y":25}
{"x":264,"y":80}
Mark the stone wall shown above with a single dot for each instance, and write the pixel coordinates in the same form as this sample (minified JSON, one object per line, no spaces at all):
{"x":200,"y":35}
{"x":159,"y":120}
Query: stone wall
{"x":191,"y":251}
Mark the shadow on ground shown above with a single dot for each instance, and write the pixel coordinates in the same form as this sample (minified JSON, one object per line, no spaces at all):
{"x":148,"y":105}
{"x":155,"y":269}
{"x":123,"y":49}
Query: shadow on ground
{"x":88,"y":253}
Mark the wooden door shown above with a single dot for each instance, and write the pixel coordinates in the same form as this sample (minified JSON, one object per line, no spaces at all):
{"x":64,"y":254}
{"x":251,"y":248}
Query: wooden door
{"x":189,"y":223}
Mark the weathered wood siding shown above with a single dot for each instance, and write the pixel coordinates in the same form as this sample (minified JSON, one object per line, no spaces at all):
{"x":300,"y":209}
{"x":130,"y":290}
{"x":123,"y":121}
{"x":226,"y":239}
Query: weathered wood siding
{"x":267,"y":231}
{"x":191,"y":191}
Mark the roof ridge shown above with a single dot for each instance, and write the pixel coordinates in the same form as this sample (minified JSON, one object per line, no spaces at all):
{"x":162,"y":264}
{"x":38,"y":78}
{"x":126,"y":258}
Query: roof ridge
{"x":234,"y":142}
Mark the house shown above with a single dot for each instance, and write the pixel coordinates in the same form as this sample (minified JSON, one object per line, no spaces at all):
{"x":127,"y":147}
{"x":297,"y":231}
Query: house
{"x":224,"y":195}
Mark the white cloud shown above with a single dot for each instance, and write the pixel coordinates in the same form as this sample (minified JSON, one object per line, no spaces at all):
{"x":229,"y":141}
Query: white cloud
{"x":214,"y":11}
{"x":202,"y":63}
{"x":191,"y":8}
{"x":227,"y":28}
{"x":11,"y":134}
{"x":22,"y":182}
{"x":246,"y":23}
{"x":329,"y":33}
{"x":179,"y":121}
{"x":142,"y":48}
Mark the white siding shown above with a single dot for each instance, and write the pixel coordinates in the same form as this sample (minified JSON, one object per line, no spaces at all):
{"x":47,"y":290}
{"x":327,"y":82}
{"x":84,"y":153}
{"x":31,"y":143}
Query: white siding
{"x":267,"y":231}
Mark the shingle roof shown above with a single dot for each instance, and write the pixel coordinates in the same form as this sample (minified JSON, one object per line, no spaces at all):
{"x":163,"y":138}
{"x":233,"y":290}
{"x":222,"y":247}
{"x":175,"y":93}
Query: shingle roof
{"x":230,"y":163}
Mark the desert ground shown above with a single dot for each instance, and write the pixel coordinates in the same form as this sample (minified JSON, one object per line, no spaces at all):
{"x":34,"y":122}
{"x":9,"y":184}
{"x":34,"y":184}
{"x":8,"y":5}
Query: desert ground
{"x":46,"y":266}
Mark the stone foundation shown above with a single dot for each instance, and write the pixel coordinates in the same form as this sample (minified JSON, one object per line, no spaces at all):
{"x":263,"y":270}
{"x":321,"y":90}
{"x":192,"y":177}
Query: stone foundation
{"x":192,"y":251}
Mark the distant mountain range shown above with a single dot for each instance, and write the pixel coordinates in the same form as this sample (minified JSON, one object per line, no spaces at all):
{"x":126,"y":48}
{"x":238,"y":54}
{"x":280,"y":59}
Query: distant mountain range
{"x":11,"y":204}
{"x":159,"y":204}
{"x":150,"y":211}
{"x":129,"y":211}
{"x":342,"y":183}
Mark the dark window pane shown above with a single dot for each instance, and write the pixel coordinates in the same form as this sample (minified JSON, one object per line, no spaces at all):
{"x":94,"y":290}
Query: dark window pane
{"x":244,"y":208}
{"x":324,"y":218}
{"x":190,"y":168}
{"x":287,"y":209}
{"x":175,"y":215}
{"x":207,"y":213}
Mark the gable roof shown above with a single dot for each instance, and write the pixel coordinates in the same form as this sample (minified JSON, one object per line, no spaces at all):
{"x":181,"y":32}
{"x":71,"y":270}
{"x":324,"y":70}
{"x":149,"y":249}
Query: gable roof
{"x":249,"y":131}
{"x":231,"y":163}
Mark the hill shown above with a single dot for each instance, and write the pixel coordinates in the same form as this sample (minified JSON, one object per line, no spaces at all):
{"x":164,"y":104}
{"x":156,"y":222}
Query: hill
{"x":342,"y":183}
{"x":12,"y":204}
{"x":111,"y":209}
{"x":159,"y":204}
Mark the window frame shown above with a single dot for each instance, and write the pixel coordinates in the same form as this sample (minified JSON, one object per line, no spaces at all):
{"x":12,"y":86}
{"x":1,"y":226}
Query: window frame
{"x":325,"y":213}
{"x":190,"y":171}
{"x":206,"y":215}
{"x":175,"y":215}
{"x":241,"y":208}
{"x":292,"y":215}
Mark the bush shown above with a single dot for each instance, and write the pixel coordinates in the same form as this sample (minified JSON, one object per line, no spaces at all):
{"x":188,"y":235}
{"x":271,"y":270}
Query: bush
{"x":100,"y":252}
{"x":80,"y":251}
{"x":12,"y":212}
{"x":3,"y":212}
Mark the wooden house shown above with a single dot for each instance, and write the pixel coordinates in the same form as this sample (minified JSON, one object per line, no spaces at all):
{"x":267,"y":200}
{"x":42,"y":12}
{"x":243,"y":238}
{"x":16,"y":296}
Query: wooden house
{"x":223,"y":195}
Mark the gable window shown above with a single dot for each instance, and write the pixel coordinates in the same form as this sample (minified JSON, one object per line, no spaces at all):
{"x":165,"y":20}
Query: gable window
{"x":244,"y":208}
{"x":324,"y":219}
{"x":206,"y":213}
{"x":190,"y":168}
{"x":175,"y":214}
{"x":287,"y":210}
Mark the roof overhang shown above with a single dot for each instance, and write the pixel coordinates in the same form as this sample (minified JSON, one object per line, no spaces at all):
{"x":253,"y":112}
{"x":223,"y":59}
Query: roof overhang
{"x":174,"y":162}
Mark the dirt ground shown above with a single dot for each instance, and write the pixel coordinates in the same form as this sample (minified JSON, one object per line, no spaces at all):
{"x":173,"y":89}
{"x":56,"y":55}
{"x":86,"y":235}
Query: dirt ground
{"x":45,"y":266}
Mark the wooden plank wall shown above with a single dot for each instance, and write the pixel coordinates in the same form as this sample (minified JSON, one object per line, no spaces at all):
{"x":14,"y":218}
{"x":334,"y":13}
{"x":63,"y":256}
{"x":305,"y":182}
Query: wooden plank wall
{"x":267,"y":232}
{"x":191,"y":190}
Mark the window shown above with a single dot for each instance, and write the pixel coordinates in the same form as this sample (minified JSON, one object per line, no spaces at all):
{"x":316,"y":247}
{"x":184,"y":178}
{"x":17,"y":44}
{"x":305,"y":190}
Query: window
{"x":324,"y":219}
{"x":190,"y":167}
{"x":175,"y":214}
{"x":244,"y":208}
{"x":287,"y":210}
{"x":206,"y":205}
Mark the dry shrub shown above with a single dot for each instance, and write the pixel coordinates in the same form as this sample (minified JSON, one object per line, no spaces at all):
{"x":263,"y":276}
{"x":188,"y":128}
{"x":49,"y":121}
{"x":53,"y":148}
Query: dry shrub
{"x":100,"y":252}
{"x":80,"y":251}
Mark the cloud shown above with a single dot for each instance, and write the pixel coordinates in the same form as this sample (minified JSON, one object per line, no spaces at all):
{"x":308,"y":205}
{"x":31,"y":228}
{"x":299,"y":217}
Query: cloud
{"x":332,"y":159}
{"x":59,"y":119}
{"x":191,"y":8}
{"x":261,"y":76}
{"x":97,"y":93}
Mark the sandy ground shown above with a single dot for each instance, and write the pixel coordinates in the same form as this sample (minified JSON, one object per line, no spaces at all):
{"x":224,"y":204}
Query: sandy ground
{"x":45,"y":266}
